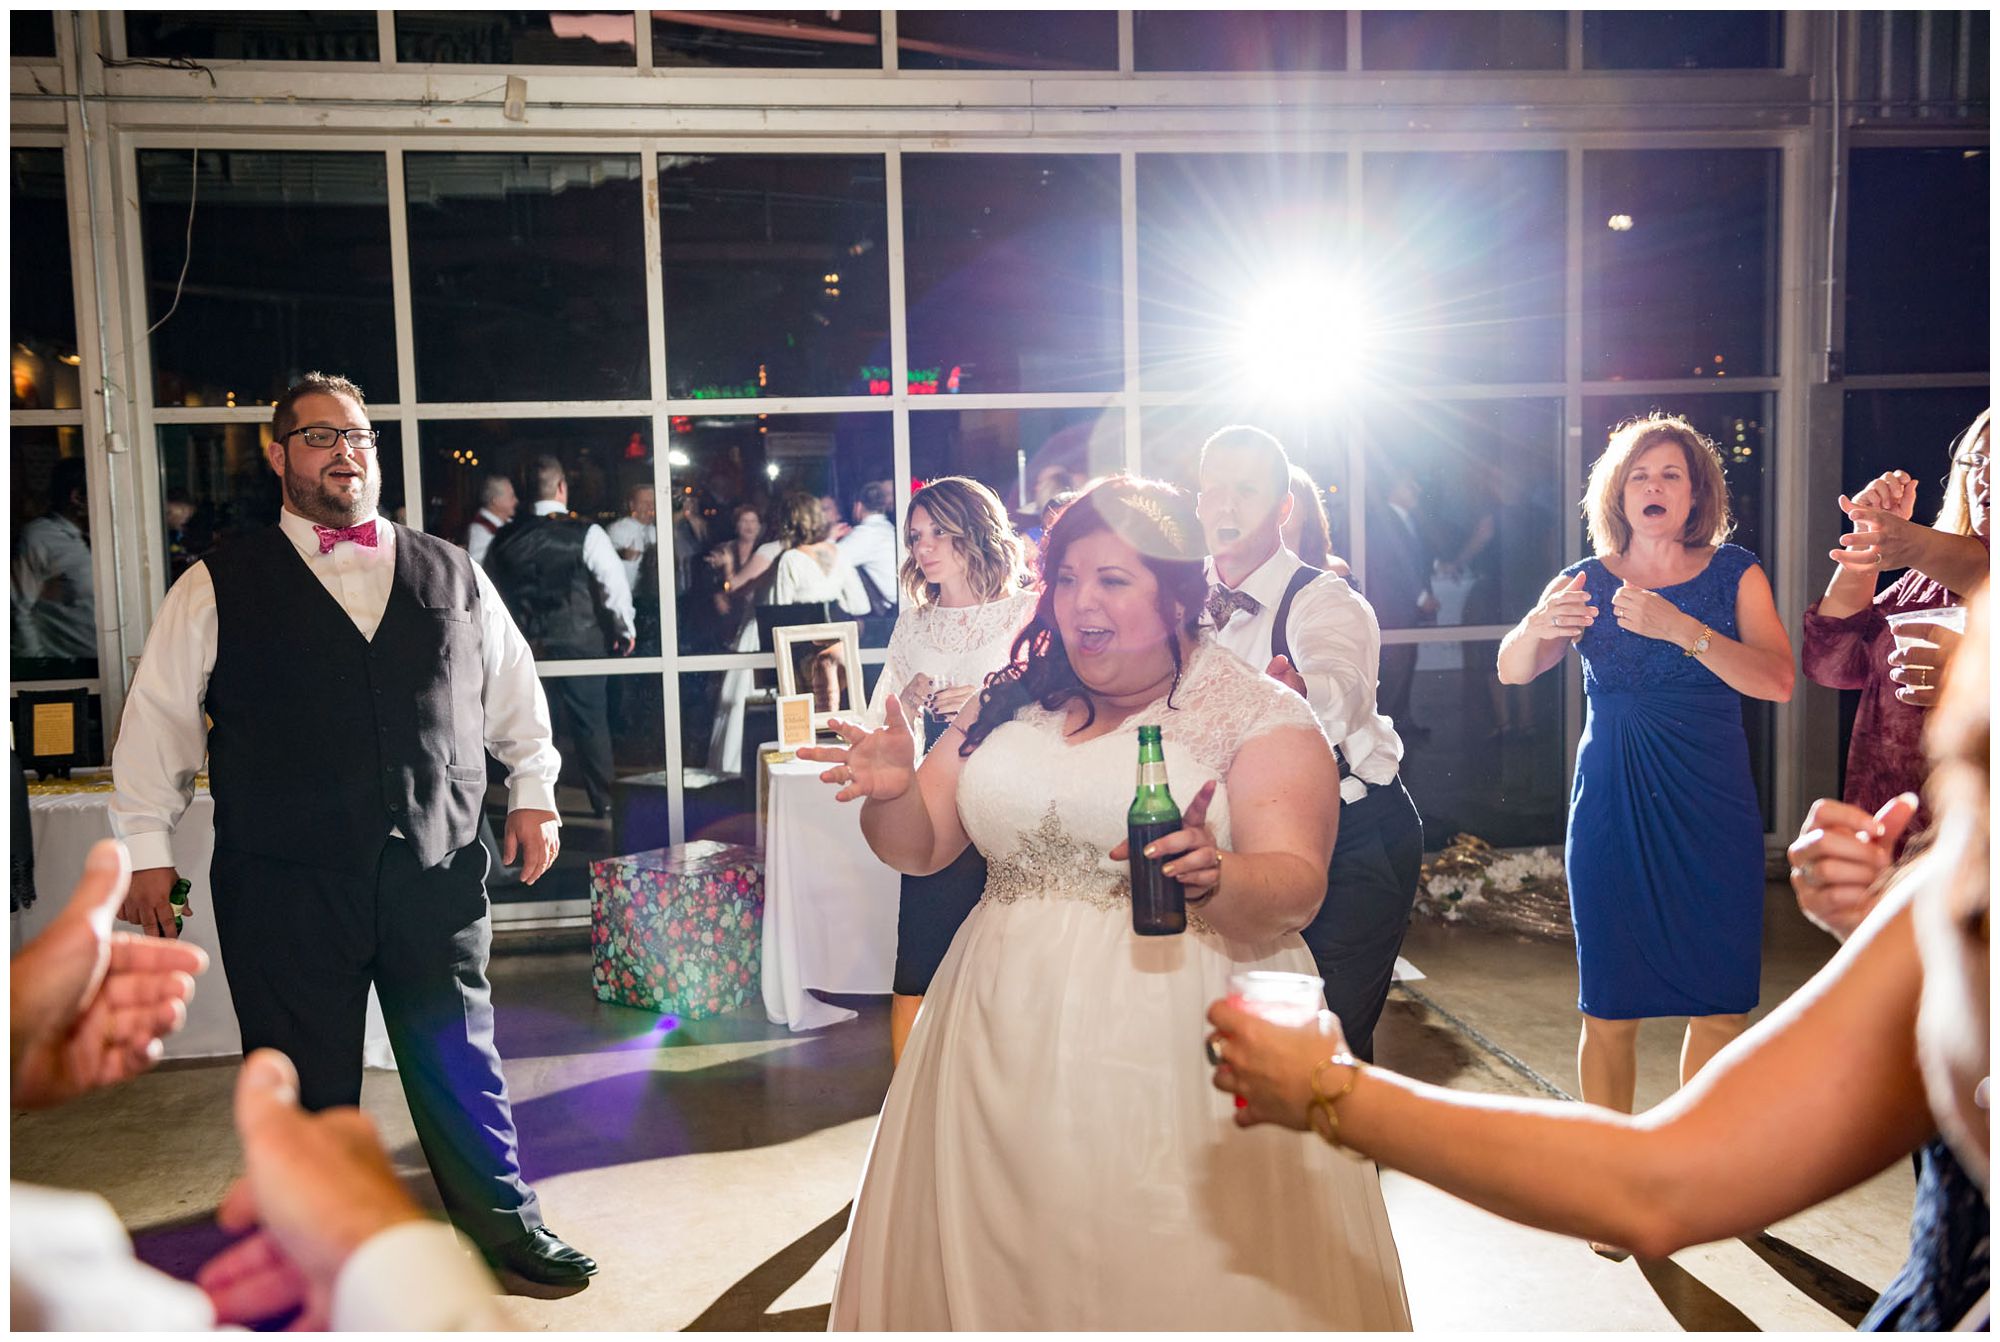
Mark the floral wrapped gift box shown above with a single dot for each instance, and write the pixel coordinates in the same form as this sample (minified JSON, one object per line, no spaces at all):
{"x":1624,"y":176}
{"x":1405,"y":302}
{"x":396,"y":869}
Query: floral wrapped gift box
{"x":678,"y":930}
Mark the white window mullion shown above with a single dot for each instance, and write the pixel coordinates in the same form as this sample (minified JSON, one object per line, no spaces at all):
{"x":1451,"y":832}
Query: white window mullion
{"x":406,"y":338}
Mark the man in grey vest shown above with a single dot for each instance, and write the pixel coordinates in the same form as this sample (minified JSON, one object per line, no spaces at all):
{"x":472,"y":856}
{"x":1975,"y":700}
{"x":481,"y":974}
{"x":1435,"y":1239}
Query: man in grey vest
{"x":355,"y":673}
{"x":562,"y":581}
{"x":1315,"y":633}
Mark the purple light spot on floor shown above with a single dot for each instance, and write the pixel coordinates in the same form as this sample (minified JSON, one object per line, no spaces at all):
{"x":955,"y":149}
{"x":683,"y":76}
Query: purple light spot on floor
{"x":667,"y":1023}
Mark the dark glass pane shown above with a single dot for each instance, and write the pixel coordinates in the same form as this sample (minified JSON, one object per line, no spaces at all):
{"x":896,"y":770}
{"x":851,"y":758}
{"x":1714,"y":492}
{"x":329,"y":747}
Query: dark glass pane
{"x":611,"y":793}
{"x":288,"y":271}
{"x":1026,"y":457}
{"x":720,"y":797}
{"x":730,"y":476}
{"x":1013,"y":271}
{"x":1919,"y":259}
{"x":1463,"y":40}
{"x":1680,"y":263}
{"x":1282,"y":40}
{"x":253,"y":35}
{"x":777,"y":274}
{"x":215,"y":483}
{"x":528,"y":276}
{"x":769,"y":38}
{"x":1464,"y":266}
{"x":54,"y":611}
{"x":1170,"y":439}
{"x":1680,"y":39}
{"x":1479,"y":757}
{"x":1011,"y":39}
{"x":1464,"y":503}
{"x":1223,"y":238}
{"x":1899,"y":431}
{"x":31,"y":32}
{"x":43,"y":329}
{"x":1741,"y":426}
{"x":515,"y":37}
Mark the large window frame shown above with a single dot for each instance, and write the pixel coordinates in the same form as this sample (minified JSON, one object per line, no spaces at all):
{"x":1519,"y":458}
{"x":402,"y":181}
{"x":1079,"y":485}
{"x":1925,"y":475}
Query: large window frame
{"x":651,"y":111}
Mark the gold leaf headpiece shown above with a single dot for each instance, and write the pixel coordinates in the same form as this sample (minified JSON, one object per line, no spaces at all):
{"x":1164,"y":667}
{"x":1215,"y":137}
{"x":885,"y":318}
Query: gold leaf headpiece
{"x":1151,"y":510}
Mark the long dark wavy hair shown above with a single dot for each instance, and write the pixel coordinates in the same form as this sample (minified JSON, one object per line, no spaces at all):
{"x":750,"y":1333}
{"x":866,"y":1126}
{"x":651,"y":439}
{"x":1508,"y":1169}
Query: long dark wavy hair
{"x":1155,"y":519}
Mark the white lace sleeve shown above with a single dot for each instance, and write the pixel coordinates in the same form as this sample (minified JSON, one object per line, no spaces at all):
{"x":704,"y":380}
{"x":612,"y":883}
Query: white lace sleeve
{"x":896,"y":670}
{"x":1222,"y":702}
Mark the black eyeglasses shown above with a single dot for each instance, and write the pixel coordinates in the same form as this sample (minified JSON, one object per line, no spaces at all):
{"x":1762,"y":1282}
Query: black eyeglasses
{"x":319,"y":435}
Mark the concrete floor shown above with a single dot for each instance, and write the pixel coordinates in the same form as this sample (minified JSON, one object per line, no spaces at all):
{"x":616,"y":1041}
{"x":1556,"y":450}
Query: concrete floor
{"x":709,"y":1168}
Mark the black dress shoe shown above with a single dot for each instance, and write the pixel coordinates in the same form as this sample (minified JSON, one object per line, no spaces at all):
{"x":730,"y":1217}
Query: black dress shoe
{"x":540,"y":1257}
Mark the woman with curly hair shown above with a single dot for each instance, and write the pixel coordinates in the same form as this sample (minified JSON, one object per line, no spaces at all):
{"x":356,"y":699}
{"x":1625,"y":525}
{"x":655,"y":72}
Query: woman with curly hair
{"x":963,"y":578}
{"x":1665,"y":851}
{"x":1049,"y":1154}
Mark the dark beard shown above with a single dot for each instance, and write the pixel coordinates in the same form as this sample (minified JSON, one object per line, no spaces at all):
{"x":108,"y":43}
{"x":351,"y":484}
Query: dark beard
{"x":313,"y":501}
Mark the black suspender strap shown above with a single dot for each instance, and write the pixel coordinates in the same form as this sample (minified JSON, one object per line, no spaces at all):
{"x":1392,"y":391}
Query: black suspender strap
{"x":1281,"y":646}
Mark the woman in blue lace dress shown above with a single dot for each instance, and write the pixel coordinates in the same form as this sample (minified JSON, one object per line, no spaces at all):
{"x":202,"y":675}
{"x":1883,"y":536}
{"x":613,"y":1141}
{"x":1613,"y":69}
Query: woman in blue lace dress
{"x":1666,"y":840}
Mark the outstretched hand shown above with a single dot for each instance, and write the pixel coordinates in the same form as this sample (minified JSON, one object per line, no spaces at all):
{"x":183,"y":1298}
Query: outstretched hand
{"x":87,"y":1006}
{"x":1196,"y":861}
{"x":879,"y":765}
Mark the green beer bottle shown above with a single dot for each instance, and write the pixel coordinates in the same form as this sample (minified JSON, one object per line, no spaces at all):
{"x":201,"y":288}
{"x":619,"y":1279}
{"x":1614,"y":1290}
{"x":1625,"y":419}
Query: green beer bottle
{"x":1159,"y":905}
{"x":177,"y":900}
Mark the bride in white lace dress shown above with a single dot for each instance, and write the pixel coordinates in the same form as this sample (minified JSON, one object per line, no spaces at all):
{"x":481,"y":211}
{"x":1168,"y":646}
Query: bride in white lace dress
{"x":1050,"y":1154}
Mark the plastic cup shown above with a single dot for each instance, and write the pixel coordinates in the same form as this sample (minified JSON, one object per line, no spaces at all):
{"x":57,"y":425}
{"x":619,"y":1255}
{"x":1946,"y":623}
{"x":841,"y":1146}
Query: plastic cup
{"x":1911,"y":627}
{"x":1281,"y":998}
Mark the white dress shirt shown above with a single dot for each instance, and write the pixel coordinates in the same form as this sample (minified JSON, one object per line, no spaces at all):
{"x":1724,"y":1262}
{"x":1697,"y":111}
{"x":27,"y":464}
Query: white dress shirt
{"x":1336,"y":646}
{"x":629,"y":533}
{"x":164,"y":734}
{"x":479,"y":539}
{"x":870,"y":547}
{"x":72,"y":1269}
{"x":606,"y":570}
{"x":55,"y":601}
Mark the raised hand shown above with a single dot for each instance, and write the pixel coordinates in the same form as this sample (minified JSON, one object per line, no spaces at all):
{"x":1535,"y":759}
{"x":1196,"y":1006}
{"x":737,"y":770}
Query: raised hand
{"x":1894,"y":492}
{"x":1197,"y":862}
{"x":1565,"y":612}
{"x":1650,"y":615}
{"x":1880,"y":539}
{"x":880,"y":764}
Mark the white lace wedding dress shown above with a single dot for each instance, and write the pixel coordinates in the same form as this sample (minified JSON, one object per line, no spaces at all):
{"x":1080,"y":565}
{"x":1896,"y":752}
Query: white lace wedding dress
{"x":1051,"y":1154}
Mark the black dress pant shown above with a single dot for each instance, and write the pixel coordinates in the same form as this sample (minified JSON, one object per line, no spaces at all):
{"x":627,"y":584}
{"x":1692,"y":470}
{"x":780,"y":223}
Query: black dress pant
{"x":1371,"y":884}
{"x":301,"y":945}
{"x":580,"y":715}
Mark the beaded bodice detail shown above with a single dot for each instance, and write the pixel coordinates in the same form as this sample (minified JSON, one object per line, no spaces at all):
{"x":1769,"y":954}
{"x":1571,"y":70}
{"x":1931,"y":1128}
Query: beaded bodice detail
{"x":955,"y":645}
{"x":1045,"y":813}
{"x":1617,"y":660}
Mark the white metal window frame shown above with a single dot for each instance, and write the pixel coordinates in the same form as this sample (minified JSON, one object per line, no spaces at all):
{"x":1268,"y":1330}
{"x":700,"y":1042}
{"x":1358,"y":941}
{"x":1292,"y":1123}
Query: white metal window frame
{"x":988,"y":112}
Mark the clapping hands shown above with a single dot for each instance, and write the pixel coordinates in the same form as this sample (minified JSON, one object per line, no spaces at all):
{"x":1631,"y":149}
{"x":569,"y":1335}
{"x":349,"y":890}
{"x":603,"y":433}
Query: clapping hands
{"x":879,"y":765}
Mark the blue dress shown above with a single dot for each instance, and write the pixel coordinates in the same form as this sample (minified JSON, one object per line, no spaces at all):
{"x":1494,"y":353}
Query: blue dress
{"x":1666,"y":840}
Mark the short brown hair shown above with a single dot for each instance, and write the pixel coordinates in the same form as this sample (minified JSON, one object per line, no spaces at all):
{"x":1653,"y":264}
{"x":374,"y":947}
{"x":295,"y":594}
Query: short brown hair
{"x":975,"y":519}
{"x":799,"y":521}
{"x":549,"y":477}
{"x":312,"y":384}
{"x":1249,"y":438}
{"x":1709,"y":522}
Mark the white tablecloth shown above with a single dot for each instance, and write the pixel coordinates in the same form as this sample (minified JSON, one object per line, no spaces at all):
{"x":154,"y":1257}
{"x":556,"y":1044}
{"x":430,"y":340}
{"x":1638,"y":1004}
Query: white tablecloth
{"x":67,"y":824}
{"x":829,"y":902}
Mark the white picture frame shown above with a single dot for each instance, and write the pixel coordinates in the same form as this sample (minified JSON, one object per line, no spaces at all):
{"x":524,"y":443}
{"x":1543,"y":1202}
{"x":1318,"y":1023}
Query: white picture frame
{"x":824,"y":661}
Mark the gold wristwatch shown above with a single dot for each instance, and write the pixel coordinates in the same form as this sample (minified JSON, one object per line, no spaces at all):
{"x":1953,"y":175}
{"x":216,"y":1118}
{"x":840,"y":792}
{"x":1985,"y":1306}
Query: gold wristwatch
{"x":1700,"y":645}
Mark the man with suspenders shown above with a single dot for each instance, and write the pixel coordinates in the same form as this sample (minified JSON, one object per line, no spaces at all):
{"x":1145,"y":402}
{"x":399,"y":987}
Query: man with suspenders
{"x":1315,"y":633}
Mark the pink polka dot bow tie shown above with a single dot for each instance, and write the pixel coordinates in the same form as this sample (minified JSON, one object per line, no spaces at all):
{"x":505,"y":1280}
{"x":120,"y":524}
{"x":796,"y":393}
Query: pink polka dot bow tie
{"x":364,"y":534}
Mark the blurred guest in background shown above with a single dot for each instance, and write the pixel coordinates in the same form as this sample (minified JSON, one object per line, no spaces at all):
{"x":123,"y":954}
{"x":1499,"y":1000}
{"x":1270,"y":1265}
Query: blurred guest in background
{"x":563,"y":582}
{"x":1665,"y":850}
{"x":870,"y":546}
{"x":637,"y":531}
{"x":1848,"y":645}
{"x":497,"y":502}
{"x":1305,"y":532}
{"x":1398,"y":587}
{"x":55,"y":605}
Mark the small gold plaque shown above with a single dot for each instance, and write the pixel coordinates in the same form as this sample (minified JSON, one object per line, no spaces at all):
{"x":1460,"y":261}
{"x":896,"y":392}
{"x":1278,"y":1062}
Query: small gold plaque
{"x":54,"y":731}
